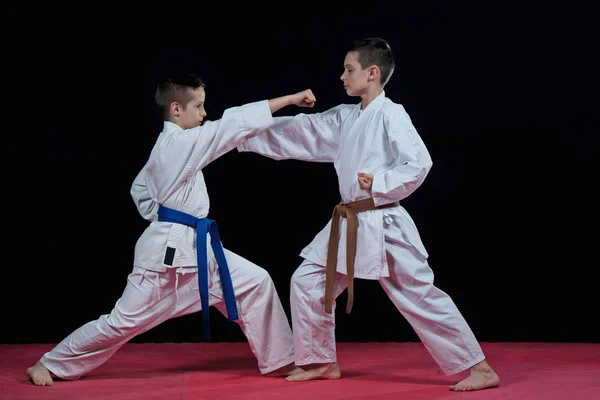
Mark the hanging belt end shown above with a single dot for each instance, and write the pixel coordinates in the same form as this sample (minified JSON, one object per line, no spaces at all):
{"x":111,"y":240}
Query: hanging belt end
{"x":350,"y":302}
{"x":233,"y":317}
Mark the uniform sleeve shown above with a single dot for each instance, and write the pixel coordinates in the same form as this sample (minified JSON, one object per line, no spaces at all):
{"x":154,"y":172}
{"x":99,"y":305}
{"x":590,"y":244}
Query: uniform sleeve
{"x":305,"y":137}
{"x":412,"y":161}
{"x":146,"y":206}
{"x":237,"y":125}
{"x":179,"y":157}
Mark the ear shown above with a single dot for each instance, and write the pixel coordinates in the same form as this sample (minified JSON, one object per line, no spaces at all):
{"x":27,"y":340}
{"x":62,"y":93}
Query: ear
{"x":374,"y":73}
{"x":175,"y":109}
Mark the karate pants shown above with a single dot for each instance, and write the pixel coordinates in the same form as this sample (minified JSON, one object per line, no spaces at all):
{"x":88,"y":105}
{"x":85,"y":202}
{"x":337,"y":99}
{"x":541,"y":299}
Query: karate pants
{"x":151,"y":298}
{"x":431,"y":312}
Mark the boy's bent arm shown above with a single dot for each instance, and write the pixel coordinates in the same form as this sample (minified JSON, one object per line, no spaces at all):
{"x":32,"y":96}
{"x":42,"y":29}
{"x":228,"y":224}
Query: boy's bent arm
{"x":413,"y":163}
{"x":146,"y":206}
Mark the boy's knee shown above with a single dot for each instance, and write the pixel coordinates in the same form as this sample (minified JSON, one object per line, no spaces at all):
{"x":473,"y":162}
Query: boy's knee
{"x":122,"y":322}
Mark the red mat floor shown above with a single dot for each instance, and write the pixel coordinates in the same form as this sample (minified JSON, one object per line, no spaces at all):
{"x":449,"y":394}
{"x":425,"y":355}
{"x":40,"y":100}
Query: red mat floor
{"x":403,"y":371}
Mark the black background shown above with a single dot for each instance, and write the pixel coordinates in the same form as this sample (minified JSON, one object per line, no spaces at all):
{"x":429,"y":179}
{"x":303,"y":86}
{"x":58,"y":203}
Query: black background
{"x":503,"y":95}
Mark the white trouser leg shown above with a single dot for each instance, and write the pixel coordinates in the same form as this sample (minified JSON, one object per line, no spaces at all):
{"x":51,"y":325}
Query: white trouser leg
{"x":148,"y":300}
{"x":262,"y":317}
{"x":430,"y":311}
{"x":314,"y":329}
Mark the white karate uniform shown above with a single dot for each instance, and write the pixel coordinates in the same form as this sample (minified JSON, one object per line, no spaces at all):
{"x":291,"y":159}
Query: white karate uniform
{"x":164,"y":283}
{"x":379,"y":140}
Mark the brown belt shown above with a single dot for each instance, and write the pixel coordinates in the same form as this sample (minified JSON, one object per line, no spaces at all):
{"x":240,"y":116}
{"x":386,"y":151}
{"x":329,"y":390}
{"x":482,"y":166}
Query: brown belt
{"x":349,"y":211}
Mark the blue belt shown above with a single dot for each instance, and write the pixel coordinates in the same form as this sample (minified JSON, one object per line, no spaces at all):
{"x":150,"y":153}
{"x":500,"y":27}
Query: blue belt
{"x":204,"y":226}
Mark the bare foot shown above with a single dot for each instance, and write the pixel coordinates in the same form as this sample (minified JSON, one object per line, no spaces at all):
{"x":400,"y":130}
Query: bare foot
{"x":39,"y":375}
{"x":482,"y":377}
{"x":321,"y":371}
{"x":287,"y":370}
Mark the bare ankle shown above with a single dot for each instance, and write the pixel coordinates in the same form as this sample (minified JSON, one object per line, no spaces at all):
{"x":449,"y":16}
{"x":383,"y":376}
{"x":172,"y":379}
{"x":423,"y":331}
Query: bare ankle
{"x":317,"y":365}
{"x":482,"y":366}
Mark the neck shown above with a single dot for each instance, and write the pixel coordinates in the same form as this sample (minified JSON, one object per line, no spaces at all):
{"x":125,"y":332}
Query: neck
{"x":369,"y":96}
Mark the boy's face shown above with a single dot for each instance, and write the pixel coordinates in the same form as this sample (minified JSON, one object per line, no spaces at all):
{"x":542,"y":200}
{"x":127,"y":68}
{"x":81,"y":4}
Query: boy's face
{"x":192,"y":114}
{"x":355,"y":78}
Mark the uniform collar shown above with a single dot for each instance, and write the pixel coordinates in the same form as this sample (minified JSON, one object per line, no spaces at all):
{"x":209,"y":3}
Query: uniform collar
{"x":169,"y":127}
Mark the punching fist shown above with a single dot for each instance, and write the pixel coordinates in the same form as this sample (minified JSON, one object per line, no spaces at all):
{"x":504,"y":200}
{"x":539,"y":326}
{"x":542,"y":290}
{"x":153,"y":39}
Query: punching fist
{"x":305,"y":98}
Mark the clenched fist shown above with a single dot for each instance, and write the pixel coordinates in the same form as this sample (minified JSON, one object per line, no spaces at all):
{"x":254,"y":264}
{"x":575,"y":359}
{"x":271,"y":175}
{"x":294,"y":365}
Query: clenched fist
{"x":305,"y":98}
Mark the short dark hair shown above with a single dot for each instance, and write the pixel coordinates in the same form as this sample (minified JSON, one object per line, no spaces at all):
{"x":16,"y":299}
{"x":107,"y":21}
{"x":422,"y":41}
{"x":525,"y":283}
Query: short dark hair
{"x":375,"y":51}
{"x":175,"y":86}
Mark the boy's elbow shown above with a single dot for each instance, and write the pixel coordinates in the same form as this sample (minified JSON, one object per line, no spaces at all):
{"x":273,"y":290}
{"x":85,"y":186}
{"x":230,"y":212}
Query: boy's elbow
{"x":424,"y":169}
{"x":425,"y":163}
{"x":428,"y":165}
{"x":135,"y":195}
